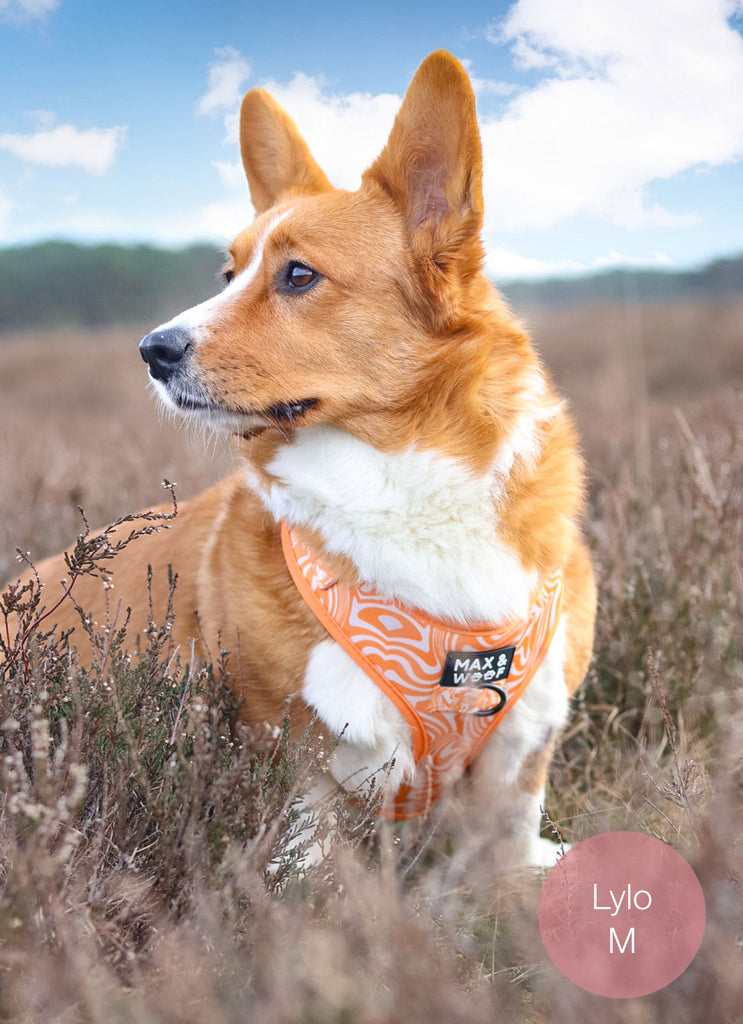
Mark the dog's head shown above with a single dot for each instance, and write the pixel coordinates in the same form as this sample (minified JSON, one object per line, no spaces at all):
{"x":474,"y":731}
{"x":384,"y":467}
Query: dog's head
{"x":359,"y":309}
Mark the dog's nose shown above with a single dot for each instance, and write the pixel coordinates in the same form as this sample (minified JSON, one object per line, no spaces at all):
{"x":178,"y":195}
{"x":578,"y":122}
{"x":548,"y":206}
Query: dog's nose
{"x":164,"y":350}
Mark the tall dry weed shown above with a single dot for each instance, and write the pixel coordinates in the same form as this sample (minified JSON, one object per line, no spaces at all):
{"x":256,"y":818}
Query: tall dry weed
{"x":150,"y":867}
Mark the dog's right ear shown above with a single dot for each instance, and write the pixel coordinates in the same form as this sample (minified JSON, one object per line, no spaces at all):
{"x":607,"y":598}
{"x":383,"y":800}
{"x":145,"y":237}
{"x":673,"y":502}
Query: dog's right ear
{"x":431,"y":168}
{"x":276,"y":158}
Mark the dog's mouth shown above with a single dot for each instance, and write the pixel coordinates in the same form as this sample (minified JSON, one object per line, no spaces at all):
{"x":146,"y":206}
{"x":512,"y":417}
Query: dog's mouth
{"x":288,"y":412}
{"x":281,"y":414}
{"x":245,"y":423}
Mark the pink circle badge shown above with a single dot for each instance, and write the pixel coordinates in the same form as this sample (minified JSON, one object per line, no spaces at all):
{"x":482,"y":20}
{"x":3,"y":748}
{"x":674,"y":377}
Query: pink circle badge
{"x":622,"y":915}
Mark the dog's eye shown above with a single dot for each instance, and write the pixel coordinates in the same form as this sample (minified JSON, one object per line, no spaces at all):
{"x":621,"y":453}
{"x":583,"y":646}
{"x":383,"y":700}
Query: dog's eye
{"x":300,"y":277}
{"x":228,"y":275}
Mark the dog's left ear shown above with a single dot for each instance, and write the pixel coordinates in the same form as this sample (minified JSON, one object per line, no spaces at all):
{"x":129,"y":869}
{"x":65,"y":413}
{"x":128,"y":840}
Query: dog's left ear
{"x":276,"y":158}
{"x":432,"y":169}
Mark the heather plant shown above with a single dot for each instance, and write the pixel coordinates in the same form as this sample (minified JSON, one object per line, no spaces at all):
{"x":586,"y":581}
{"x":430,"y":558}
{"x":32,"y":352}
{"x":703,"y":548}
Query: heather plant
{"x":669,"y":650}
{"x":155,"y":863}
{"x":127,"y":783}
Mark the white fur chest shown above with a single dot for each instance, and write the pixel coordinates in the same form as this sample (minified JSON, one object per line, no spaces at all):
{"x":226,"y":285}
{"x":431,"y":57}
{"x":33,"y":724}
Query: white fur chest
{"x":418,"y":526}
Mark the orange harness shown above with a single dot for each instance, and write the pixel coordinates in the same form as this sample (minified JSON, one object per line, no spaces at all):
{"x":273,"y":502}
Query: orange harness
{"x":454,"y":686}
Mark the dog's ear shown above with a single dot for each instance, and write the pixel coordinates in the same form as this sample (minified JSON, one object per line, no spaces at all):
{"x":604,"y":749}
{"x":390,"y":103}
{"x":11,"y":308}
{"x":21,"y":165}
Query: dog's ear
{"x":432,"y":169}
{"x":276,"y":158}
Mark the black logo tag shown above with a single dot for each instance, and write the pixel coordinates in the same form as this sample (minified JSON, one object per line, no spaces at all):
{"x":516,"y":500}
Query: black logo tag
{"x":477,"y":668}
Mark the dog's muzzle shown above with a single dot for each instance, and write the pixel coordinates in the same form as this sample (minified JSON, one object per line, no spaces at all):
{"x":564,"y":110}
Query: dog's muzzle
{"x":164,"y":351}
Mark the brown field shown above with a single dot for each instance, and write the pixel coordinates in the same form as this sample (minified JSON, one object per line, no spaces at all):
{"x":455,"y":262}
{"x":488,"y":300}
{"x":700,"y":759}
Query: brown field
{"x":133,"y":846}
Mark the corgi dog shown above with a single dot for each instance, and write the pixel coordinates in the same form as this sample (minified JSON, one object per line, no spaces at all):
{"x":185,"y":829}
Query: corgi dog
{"x":401,"y":441}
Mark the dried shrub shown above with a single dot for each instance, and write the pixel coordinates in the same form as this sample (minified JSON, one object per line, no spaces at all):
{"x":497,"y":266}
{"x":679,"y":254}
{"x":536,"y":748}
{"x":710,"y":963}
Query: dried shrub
{"x":151,"y":850}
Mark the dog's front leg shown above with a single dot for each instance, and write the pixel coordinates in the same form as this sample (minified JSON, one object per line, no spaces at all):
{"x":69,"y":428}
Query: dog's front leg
{"x":368,"y":739}
{"x":508,"y":779}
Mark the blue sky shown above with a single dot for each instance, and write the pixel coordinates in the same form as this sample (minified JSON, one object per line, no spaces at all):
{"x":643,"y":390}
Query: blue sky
{"x":612,"y":129}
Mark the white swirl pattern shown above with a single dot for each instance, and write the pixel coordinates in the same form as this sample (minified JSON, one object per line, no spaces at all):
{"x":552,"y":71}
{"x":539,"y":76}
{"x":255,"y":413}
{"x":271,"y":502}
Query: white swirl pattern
{"x":403,"y":651}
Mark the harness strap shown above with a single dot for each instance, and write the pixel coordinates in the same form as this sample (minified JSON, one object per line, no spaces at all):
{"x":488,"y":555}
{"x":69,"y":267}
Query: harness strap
{"x":453,"y":685}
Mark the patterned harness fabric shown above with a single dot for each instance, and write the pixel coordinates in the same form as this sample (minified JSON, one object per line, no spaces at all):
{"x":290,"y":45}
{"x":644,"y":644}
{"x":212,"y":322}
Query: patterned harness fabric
{"x":454,"y":686}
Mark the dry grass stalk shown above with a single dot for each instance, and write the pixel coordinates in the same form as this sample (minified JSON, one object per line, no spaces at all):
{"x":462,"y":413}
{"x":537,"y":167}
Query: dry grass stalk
{"x":150,"y":866}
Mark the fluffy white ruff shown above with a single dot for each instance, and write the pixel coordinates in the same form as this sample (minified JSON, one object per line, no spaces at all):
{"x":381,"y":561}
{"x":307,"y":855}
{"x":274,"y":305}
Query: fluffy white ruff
{"x":418,"y":526}
{"x":421,"y":528}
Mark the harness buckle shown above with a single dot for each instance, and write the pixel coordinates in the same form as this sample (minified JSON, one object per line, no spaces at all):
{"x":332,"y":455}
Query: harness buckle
{"x":498,"y":707}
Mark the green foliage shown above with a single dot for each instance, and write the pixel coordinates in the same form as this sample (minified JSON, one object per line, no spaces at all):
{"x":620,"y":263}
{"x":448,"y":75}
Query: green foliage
{"x":721,"y":280}
{"x":60,"y":284}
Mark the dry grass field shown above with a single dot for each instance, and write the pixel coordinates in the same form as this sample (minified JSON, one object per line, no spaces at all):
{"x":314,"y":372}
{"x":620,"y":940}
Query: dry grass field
{"x":136,"y":829}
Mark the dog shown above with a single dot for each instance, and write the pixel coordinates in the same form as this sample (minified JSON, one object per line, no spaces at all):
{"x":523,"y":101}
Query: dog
{"x":409,"y":473}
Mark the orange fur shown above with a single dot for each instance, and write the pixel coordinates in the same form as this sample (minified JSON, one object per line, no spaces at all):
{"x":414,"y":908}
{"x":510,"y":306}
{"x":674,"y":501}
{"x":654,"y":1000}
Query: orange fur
{"x":405,"y":344}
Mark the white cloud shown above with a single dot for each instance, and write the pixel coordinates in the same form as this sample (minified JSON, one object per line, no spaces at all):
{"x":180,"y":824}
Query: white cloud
{"x":221,"y":221}
{"x":43,"y":118}
{"x":655,"y":260}
{"x":226,"y":77}
{"x":488,"y":86}
{"x":91,"y":149}
{"x":21,"y":10}
{"x":622,"y":96}
{"x":626,"y":95}
{"x":629,"y":94}
{"x":345,"y":132}
{"x":230,"y":173}
{"x":504,"y":264}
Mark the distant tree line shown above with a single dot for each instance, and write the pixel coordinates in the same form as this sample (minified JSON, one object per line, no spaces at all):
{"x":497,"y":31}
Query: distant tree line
{"x":61,"y":284}
{"x":721,"y":280}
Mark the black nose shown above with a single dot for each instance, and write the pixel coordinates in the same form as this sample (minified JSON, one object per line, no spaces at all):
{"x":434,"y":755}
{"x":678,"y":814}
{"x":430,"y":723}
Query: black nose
{"x":163,"y":351}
